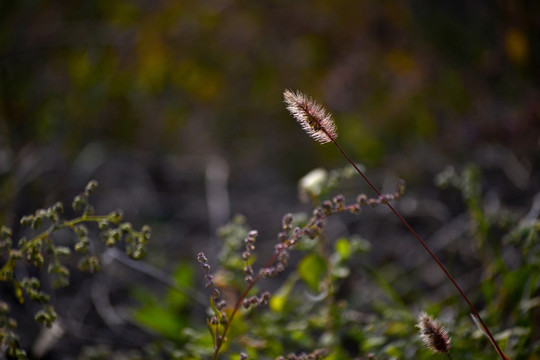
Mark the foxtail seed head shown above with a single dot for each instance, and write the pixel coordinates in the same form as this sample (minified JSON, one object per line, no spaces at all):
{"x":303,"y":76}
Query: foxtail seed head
{"x":313,"y":118}
{"x":433,"y":334}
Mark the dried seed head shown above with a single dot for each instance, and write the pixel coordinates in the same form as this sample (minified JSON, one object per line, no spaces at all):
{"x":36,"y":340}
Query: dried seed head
{"x":313,"y":118}
{"x":433,"y":334}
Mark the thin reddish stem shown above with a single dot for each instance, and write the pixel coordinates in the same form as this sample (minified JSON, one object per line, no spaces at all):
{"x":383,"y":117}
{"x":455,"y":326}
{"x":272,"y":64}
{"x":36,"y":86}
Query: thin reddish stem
{"x":424,"y":245}
{"x":221,"y":339}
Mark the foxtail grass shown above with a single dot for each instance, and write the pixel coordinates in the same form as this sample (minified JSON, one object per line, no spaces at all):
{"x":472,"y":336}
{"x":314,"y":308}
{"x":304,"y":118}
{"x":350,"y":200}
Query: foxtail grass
{"x":319,"y":125}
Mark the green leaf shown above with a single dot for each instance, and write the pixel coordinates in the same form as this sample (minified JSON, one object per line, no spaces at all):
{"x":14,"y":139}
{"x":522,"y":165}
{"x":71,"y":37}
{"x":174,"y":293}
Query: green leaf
{"x":18,"y":291}
{"x":279,"y":298}
{"x":183,"y":277}
{"x":343,"y":248}
{"x":311,"y":270}
{"x":158,"y":317}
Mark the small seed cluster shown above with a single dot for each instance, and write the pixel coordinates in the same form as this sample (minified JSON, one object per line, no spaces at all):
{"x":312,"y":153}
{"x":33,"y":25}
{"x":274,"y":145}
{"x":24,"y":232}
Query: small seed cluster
{"x":42,"y":249}
{"x":287,"y":238}
{"x":315,"y":355}
{"x":218,"y":303}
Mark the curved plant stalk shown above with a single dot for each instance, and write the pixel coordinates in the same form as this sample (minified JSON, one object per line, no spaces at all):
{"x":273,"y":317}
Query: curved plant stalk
{"x":317,"y":122}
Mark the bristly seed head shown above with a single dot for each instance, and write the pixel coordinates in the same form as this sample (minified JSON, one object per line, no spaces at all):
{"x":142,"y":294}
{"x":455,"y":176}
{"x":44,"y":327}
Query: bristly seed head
{"x":313,"y":118}
{"x":433,"y":334}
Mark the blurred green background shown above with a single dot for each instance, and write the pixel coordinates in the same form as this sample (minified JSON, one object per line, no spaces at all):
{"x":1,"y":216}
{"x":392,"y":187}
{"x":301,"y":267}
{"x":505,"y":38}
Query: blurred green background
{"x":163,"y":102}
{"x":198,"y":79}
{"x":205,"y":77}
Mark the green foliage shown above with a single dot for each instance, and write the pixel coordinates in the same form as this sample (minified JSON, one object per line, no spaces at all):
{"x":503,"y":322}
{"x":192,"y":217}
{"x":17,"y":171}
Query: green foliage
{"x":312,"y":313}
{"x":41,"y":250}
{"x":166,"y":315}
{"x":312,"y":310}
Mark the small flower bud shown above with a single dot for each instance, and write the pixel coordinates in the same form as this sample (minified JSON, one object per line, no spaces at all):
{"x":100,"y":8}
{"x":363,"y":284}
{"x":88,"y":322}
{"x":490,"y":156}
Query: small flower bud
{"x":248,"y":270}
{"x":78,"y":202}
{"x":90,"y":187}
{"x":338,"y":200}
{"x":115,"y":217}
{"x":327,"y":207}
{"x":355,"y":209}
{"x":202,"y":258}
{"x":362,"y":199}
{"x":5,"y":232}
{"x":318,"y":212}
{"x":126,"y":227}
{"x":221,"y":304}
{"x":286,"y":221}
{"x":103,"y":225}
{"x":58,"y":208}
{"x":27,"y":220}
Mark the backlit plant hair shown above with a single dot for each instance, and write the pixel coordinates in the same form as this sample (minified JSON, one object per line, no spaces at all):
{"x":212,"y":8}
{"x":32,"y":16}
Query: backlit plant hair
{"x":318,"y":124}
{"x":313,"y":118}
{"x":434,"y":335}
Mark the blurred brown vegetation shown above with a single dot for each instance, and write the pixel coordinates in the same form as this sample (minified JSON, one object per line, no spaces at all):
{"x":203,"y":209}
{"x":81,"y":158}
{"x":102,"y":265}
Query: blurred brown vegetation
{"x":192,"y":80}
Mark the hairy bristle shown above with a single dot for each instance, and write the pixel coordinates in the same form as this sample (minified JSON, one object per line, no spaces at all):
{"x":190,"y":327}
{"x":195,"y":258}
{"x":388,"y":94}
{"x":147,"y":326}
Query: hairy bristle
{"x":313,"y":118}
{"x":433,"y":334}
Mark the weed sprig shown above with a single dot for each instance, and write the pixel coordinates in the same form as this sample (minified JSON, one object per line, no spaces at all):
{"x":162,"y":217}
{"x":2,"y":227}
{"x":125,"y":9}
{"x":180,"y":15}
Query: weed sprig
{"x":41,"y":249}
{"x":220,"y":323}
{"x":318,"y":124}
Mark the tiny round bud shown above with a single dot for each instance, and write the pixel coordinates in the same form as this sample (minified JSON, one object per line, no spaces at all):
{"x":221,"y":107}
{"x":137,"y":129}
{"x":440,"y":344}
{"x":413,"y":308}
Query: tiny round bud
{"x":327,"y":207}
{"x":81,"y":230}
{"x":103,"y":225}
{"x":221,"y":304}
{"x":147,"y":231}
{"x":115,"y":217}
{"x":4,"y":307}
{"x":27,"y":220}
{"x":201,"y":258}
{"x":362,"y":199}
{"x":318,"y":212}
{"x":58,"y":208}
{"x":109,"y":242}
{"x":286,"y":221}
{"x":248,"y":270}
{"x":36,"y":223}
{"x":355,"y":209}
{"x":5,"y":232}
{"x":78,"y":202}
{"x":126,"y":227}
{"x":91,"y":186}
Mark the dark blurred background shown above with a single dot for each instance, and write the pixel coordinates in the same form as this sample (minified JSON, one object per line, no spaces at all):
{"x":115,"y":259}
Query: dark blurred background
{"x":176,"y":107}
